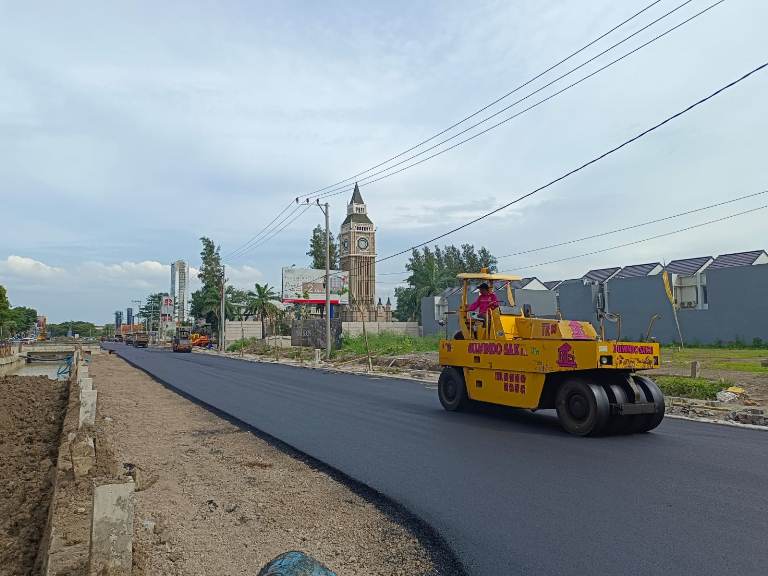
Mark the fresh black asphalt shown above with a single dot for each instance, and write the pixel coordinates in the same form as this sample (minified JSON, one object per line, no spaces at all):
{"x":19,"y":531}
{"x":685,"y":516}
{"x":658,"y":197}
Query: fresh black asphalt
{"x":508,"y":490}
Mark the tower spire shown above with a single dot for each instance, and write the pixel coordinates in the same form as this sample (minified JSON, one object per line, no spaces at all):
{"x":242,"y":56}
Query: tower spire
{"x":357,"y":198}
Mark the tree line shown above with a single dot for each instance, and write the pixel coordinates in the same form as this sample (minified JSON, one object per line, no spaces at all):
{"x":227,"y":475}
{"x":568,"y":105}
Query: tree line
{"x":15,"y":320}
{"x":433,"y":270}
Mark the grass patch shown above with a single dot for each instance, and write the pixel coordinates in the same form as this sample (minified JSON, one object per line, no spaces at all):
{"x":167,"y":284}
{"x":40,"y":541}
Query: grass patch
{"x":739,"y":367}
{"x":251,"y":345}
{"x":389,"y":344}
{"x":676,"y":355}
{"x":686,"y":387}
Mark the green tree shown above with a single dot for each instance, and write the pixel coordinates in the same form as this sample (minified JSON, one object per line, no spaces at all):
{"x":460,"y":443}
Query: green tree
{"x":317,"y":249}
{"x":236,"y":303}
{"x":211,"y":270}
{"x":261,"y":304}
{"x":150,"y":310}
{"x":212,"y":277}
{"x":80,"y":327}
{"x":434,"y":270}
{"x":25,"y":318}
{"x":5,"y":308}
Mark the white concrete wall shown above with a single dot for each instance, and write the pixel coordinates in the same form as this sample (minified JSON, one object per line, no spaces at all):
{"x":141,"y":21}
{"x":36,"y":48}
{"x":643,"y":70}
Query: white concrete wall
{"x":233,"y":331}
{"x":356,"y":328}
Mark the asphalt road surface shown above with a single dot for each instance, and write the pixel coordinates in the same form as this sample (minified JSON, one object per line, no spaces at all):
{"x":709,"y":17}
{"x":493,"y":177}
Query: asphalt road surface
{"x":509,"y":490}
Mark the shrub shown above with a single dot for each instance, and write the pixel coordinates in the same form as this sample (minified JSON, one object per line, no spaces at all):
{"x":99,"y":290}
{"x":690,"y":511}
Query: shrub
{"x":688,"y":387}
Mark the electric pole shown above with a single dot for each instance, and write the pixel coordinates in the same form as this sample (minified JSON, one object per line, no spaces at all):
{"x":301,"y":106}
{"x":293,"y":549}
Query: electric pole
{"x":326,"y":211}
{"x":222,"y":317}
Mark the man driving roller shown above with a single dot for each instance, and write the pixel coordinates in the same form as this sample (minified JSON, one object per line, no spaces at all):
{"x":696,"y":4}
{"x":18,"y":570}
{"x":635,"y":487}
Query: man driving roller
{"x":485,"y":301}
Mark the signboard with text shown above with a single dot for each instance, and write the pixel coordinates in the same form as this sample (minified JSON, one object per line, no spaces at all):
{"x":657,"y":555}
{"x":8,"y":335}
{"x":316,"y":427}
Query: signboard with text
{"x":307,"y":286}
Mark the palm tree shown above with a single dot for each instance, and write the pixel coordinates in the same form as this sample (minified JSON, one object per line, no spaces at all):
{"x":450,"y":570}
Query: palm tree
{"x":211,"y":304}
{"x":260,"y":304}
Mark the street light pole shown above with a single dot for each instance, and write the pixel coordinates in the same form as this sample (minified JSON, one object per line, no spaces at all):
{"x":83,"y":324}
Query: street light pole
{"x":326,"y":210}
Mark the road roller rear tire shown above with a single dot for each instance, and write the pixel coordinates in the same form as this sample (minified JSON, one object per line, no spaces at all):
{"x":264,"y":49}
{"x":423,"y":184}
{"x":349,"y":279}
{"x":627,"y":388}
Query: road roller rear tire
{"x":618,"y":424}
{"x":582,"y":407}
{"x":452,"y":389}
{"x":652,"y":394}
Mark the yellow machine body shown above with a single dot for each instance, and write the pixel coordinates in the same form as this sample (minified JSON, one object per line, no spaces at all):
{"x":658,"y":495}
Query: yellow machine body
{"x":513,"y":359}
{"x":511,"y":368}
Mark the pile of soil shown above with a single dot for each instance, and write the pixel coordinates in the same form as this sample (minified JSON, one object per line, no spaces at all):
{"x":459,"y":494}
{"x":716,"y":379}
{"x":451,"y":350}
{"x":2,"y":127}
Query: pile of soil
{"x":31,"y":413}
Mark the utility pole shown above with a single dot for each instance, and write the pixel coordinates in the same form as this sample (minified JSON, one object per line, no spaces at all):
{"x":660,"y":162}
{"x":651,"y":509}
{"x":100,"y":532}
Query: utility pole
{"x":326,"y":210}
{"x":222,"y":316}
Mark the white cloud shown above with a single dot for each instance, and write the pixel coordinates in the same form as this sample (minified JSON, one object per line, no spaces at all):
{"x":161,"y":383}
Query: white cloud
{"x":28,"y":268}
{"x":243,"y":277}
{"x":148,"y":269}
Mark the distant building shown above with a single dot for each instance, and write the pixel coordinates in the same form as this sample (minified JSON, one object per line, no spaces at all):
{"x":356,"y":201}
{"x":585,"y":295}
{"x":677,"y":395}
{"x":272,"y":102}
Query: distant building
{"x":179,"y":289}
{"x":719,"y":299}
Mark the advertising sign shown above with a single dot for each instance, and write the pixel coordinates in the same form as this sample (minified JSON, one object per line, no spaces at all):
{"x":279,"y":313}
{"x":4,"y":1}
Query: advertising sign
{"x":307,"y":286}
{"x":166,"y":308}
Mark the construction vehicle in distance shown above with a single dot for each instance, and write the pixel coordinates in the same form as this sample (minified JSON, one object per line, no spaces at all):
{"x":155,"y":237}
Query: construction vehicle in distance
{"x":201,"y":340}
{"x":140,"y":339}
{"x":512,"y":358}
{"x":181,"y":342}
{"x":129,"y":338}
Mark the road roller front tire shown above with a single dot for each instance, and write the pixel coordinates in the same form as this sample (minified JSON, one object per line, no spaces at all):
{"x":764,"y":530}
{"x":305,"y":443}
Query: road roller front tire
{"x":582,"y":407}
{"x":452,"y":390}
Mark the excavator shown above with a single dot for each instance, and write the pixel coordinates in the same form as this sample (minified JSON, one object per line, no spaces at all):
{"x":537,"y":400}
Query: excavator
{"x":510,"y":357}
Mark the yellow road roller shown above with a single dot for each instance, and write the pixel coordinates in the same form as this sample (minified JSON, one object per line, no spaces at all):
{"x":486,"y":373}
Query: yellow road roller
{"x":505,"y":355}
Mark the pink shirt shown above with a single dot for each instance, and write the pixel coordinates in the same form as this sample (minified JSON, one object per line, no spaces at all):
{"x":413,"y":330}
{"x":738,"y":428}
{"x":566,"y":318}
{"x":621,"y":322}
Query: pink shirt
{"x":484,"y":303}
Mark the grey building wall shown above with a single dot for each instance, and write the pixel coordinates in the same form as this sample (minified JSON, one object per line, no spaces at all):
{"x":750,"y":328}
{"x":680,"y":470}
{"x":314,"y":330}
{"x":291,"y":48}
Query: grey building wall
{"x":542,"y":303}
{"x":737,"y":307}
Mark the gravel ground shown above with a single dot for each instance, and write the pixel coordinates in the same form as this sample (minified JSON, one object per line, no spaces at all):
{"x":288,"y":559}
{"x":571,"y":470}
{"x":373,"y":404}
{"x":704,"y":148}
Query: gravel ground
{"x":31,"y":412}
{"x":215,"y":499}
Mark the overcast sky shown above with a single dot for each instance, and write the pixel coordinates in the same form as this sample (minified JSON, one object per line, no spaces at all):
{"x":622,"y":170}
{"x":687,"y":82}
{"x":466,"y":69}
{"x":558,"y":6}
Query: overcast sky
{"x":130,"y":129}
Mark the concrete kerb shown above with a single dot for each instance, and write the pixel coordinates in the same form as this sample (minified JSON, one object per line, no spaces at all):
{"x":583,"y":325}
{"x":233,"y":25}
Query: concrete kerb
{"x":106,"y":541}
{"x":111,"y":549}
{"x":87,"y":408}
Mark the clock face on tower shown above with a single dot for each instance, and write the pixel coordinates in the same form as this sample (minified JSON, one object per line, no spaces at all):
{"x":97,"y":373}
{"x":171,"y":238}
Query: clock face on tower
{"x":362,"y":243}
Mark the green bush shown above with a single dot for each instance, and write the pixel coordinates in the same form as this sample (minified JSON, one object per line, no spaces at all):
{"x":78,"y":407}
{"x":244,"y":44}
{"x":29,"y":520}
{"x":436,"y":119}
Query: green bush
{"x":688,"y":387}
{"x":387,"y":344}
{"x":238,"y":345}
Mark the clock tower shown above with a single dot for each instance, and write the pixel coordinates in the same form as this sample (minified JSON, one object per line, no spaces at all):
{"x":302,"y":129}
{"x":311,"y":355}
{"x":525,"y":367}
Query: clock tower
{"x":357,"y":245}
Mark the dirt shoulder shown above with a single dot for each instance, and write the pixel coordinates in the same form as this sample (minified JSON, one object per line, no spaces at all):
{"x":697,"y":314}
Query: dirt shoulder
{"x":216,"y":499}
{"x":31,"y":413}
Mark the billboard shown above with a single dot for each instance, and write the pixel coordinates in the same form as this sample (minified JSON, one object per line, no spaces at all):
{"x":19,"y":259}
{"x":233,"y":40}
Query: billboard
{"x":307,"y":286}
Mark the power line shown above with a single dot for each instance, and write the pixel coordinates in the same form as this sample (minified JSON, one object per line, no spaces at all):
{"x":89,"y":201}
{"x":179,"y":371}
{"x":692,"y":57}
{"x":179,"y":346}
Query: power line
{"x":634,"y":242}
{"x":633,"y":226}
{"x":582,"y":166}
{"x":608,"y":232}
{"x":232,"y":252}
{"x":538,"y":90}
{"x":489,"y":105}
{"x":655,"y":237}
{"x":472,"y":115}
{"x":294,"y":215}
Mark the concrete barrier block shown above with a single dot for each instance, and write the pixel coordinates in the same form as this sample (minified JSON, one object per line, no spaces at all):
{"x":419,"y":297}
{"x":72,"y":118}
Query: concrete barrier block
{"x":82,"y":371}
{"x":83,"y":454}
{"x":86,"y":383}
{"x":695,"y":369}
{"x":87,"y":408}
{"x":112,"y":530}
